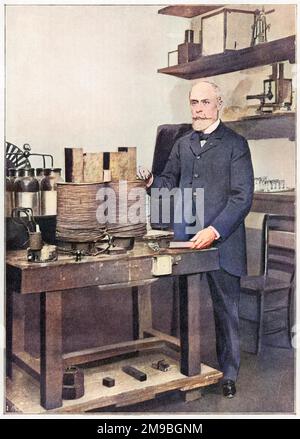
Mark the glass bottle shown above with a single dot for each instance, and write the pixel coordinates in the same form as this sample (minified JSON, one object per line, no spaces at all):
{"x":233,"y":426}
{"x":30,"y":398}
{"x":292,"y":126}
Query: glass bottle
{"x":48,"y":187}
{"x":26,"y":188}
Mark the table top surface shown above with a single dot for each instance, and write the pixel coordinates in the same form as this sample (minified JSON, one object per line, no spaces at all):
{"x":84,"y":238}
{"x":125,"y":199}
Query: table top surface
{"x":141,"y":250}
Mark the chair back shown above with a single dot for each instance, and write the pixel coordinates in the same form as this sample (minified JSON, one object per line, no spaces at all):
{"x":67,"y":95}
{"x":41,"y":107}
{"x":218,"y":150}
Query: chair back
{"x":279,"y":253}
{"x":165,"y":140}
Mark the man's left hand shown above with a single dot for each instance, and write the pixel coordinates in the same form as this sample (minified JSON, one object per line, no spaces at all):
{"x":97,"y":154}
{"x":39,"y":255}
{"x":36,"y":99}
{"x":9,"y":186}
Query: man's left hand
{"x":204,"y":238}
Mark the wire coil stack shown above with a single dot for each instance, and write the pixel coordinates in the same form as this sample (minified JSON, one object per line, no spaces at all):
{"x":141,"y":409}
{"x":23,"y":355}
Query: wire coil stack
{"x":77,"y":217}
{"x":129,"y":196}
{"x":76,"y":213}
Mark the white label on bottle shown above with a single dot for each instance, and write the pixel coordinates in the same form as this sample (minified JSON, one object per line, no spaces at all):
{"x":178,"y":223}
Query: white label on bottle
{"x":29,"y":200}
{"x":48,"y":202}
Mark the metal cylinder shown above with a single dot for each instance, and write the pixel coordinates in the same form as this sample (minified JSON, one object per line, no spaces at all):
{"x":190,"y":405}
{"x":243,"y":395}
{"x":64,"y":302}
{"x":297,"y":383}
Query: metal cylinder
{"x":73,"y":383}
{"x":35,"y":241}
{"x":189,"y":36}
{"x":48,"y":190}
{"x":26,"y":189}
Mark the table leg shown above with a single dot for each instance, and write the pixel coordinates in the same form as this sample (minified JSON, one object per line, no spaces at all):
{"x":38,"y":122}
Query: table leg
{"x":9,"y":331}
{"x":14,"y":327}
{"x":190,"y":324}
{"x":141,"y":310}
{"x":51,"y":349}
{"x":32,"y":335}
{"x":175,"y":309}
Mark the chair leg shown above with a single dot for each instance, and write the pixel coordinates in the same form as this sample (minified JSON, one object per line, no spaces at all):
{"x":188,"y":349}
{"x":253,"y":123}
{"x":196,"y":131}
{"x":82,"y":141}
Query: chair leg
{"x":260,"y":321}
{"x":281,"y":335}
{"x":290,"y":317}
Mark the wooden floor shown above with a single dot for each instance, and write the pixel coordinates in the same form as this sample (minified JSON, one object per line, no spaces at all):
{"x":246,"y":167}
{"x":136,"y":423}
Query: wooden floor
{"x":22,"y":393}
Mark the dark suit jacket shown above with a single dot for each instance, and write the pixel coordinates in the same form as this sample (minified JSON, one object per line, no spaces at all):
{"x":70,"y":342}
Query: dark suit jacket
{"x":223,"y":168}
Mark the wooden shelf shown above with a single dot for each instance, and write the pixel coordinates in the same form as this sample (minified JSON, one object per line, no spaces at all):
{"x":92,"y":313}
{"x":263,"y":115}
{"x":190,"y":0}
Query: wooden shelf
{"x":188,"y":11}
{"x":269,"y":126}
{"x":233,"y":60}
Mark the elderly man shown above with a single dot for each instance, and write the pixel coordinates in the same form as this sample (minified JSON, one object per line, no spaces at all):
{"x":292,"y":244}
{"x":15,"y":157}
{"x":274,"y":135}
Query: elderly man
{"x":217,"y":159}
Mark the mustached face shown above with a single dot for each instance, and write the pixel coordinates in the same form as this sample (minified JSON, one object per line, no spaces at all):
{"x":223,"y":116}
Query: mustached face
{"x":205,"y":106}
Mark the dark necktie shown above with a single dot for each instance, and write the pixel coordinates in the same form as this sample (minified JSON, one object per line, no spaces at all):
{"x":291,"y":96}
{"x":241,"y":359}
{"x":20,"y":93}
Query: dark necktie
{"x":202,"y":136}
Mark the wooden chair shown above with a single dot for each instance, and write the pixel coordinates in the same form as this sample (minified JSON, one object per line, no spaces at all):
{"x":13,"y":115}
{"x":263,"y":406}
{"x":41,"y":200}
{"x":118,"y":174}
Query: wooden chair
{"x":266,"y":300}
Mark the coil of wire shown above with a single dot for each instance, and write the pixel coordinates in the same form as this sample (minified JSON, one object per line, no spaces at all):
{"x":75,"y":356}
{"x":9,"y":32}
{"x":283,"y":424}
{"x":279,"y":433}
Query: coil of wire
{"x":130,"y":216}
{"x":76,"y":213}
{"x":77,"y":204}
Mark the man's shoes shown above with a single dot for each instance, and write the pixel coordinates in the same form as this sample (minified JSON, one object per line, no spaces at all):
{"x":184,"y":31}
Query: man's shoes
{"x":229,"y":389}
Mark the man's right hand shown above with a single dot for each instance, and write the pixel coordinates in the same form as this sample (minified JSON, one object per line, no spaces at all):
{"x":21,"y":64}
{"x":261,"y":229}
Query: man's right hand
{"x":146,"y":175}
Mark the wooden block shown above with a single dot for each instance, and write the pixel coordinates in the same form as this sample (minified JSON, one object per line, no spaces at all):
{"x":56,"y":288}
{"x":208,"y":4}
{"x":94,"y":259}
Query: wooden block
{"x":135,"y":373}
{"x":93,"y":167}
{"x":108,"y":382}
{"x":118,"y":165}
{"x":122,"y":164}
{"x":131,"y":165}
{"x":74,"y":165}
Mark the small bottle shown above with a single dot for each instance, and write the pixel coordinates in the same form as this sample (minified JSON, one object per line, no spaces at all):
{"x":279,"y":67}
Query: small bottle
{"x":26,"y":188}
{"x":48,"y":187}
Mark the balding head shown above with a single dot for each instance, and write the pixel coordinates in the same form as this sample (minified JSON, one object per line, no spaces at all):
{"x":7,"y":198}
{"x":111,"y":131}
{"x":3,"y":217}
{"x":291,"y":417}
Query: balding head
{"x":205,"y":102}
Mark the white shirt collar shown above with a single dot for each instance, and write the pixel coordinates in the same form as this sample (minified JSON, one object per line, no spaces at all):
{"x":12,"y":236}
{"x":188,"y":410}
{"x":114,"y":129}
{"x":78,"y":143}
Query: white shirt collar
{"x":212,"y":127}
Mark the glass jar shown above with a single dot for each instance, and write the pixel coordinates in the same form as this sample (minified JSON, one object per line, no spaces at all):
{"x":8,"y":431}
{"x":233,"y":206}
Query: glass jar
{"x":26,"y":188}
{"x":48,"y":187}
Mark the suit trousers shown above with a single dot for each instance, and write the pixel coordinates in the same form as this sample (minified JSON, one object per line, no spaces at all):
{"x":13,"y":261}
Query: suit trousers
{"x":225,"y":293}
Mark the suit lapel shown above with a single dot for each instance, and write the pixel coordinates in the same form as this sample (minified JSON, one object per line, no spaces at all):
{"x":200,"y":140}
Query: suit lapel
{"x":195,"y":144}
{"x":213,"y":140}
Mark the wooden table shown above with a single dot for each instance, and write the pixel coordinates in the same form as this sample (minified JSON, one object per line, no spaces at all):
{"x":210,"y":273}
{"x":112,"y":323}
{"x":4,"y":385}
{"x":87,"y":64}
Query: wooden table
{"x":108,"y":272}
